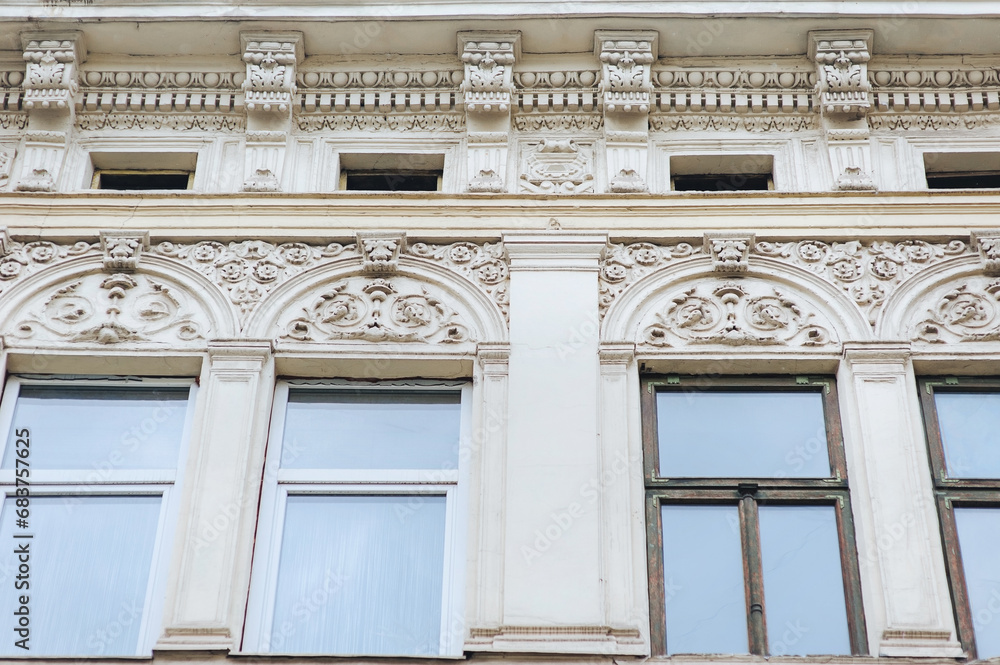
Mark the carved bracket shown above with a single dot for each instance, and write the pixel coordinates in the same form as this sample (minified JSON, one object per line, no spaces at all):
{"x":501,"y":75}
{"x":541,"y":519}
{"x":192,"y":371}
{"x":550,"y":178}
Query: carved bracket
{"x":381,"y":251}
{"x":730,"y":251}
{"x":489,"y":66}
{"x":842,"y":70}
{"x":987,"y":242}
{"x":626,"y":60}
{"x":270,"y":80}
{"x":51,"y":78}
{"x":122,"y":250}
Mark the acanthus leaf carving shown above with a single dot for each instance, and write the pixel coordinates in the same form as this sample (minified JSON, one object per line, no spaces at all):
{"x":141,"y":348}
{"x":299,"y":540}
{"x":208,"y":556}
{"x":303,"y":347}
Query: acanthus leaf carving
{"x":622,"y":265}
{"x":626,"y":60}
{"x":21,"y":259}
{"x":381,"y":251}
{"x":987,"y":242}
{"x":489,"y":65}
{"x":50,"y":80}
{"x":270,"y":75}
{"x":966,"y":313}
{"x":730,"y":251}
{"x":113,"y":309}
{"x":732,"y":315}
{"x":842,"y":71}
{"x":122,"y":249}
{"x":378,"y":310}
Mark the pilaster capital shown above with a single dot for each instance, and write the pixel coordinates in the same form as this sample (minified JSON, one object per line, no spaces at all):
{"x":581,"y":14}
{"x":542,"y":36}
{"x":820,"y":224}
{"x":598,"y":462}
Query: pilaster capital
{"x":555,"y":250}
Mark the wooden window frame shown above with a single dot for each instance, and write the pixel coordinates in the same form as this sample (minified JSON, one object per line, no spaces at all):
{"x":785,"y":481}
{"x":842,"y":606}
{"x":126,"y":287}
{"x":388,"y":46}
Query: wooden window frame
{"x":950,"y":493}
{"x":748,"y":494}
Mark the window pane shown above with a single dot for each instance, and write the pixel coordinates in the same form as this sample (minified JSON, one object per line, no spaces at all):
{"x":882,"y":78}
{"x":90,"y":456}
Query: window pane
{"x":979,"y":539}
{"x":803,"y":583}
{"x":704,"y":597}
{"x":100,"y":428}
{"x":89,"y":568}
{"x":360,"y":575}
{"x":741,"y":434}
{"x":970,"y":433}
{"x":326,"y":429}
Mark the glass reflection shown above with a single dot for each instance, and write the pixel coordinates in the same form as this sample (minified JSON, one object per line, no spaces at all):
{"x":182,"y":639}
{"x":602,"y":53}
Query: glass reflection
{"x":704,"y":596}
{"x":749,"y":434}
{"x":970,"y":433}
{"x":803,"y":582}
{"x":979,"y":540}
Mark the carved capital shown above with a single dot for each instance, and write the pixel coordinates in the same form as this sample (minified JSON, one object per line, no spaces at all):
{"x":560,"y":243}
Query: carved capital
{"x":616,"y":353}
{"x":51,"y":77}
{"x":489,"y":66}
{"x":841,"y":58}
{"x":493,"y":356}
{"x":730,"y":251}
{"x":987,"y":242}
{"x":381,"y":251}
{"x":270,"y":80}
{"x":122,"y":249}
{"x":626,"y":58}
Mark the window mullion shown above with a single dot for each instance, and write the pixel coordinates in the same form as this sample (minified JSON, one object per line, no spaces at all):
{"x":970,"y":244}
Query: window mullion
{"x":754,"y":574}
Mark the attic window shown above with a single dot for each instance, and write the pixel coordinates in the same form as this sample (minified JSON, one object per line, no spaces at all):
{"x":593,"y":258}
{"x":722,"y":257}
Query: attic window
{"x":124,"y":180}
{"x":393,"y":172}
{"x":721,"y":173}
{"x":962,"y":170}
{"x":143,"y":171}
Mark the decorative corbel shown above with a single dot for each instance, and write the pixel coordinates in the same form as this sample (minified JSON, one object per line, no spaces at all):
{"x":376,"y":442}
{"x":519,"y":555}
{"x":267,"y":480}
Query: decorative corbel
{"x":489,"y":97}
{"x":843,"y":96}
{"x":51,"y":78}
{"x":625,"y":94}
{"x":122,"y":250}
{"x":730,"y":252}
{"x":380,"y":250}
{"x":270,"y":81}
{"x":271,"y":60}
{"x":987,"y":242}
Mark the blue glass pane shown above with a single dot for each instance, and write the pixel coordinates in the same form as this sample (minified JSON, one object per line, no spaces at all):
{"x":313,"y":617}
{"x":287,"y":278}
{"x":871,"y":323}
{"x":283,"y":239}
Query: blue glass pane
{"x":970,"y":433}
{"x":100,"y":429}
{"x":704,"y":594}
{"x":750,"y":434}
{"x":326,"y":429}
{"x":979,"y":540}
{"x":803,"y":582}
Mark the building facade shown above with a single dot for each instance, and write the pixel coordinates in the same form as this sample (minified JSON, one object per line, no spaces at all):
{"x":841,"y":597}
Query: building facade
{"x":545,"y":332}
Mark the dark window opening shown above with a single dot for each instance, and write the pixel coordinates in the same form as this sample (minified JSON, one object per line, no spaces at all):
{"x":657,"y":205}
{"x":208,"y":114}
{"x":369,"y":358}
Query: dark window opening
{"x":722,"y":182}
{"x":142,"y":180}
{"x":392,"y":181}
{"x":964,"y":180}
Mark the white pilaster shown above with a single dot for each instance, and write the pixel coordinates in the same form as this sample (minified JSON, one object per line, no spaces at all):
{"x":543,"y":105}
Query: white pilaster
{"x":210,"y":569}
{"x":907,"y":603}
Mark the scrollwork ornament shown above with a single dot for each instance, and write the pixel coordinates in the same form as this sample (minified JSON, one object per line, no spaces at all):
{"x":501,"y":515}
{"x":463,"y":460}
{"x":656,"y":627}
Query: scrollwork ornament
{"x":378,"y":310}
{"x":621,"y":265}
{"x":966,"y":313}
{"x":732,"y":315}
{"x":485,"y":265}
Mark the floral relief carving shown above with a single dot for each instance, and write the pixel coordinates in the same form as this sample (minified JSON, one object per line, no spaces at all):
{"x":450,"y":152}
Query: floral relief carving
{"x":23,"y":259}
{"x":110,"y":310}
{"x":489,"y":59}
{"x":378,"y":310}
{"x":867,"y":272}
{"x":622,"y":265}
{"x":270,"y":75}
{"x":966,"y":313}
{"x":842,"y":71}
{"x":51,"y":77}
{"x":248,"y":270}
{"x":485,"y":265}
{"x":735,"y":313}
{"x":625,"y":66}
